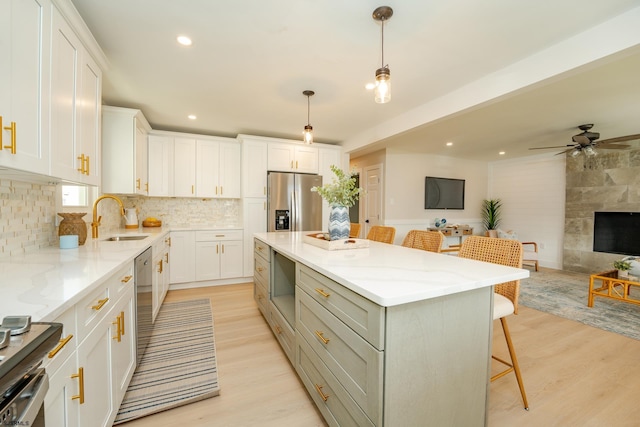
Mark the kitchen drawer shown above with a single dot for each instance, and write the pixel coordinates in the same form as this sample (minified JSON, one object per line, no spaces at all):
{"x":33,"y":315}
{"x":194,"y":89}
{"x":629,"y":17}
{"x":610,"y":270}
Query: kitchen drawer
{"x":355,"y":362}
{"x":215,"y":235}
{"x":333,"y":401}
{"x":92,"y":309}
{"x":261,"y":269}
{"x":67,"y":344}
{"x":261,"y":296}
{"x":262,"y":249}
{"x":362,"y":315}
{"x":282,"y":331}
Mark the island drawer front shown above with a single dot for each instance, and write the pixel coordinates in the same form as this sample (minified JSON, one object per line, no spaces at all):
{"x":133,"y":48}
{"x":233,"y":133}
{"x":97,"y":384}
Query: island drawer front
{"x":215,"y":235}
{"x":360,"y":314}
{"x":261,"y":248}
{"x":261,"y":268}
{"x":67,"y":344}
{"x":261,"y":296}
{"x":123,"y":281}
{"x":282,"y":331}
{"x":339,"y":409}
{"x":355,"y":362}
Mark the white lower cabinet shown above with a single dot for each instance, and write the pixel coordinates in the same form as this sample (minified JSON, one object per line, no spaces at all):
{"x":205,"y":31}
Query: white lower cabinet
{"x":88,"y":380}
{"x":161,"y":274}
{"x":206,"y":255}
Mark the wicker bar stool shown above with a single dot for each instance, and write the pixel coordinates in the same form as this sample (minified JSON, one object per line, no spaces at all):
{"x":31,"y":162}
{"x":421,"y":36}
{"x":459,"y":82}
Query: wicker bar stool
{"x":505,"y":252}
{"x":355,"y":230}
{"x":381,"y":233}
{"x":423,"y":239}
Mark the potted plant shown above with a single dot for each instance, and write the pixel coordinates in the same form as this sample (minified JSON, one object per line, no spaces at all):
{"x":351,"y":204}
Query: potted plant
{"x":491,"y":216}
{"x":623,"y":266}
{"x":341,"y":193}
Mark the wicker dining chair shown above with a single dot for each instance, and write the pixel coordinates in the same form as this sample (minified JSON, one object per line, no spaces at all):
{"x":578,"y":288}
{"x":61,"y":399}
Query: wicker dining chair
{"x":381,"y":233}
{"x":424,"y":239}
{"x":355,"y":230}
{"x":505,"y":302}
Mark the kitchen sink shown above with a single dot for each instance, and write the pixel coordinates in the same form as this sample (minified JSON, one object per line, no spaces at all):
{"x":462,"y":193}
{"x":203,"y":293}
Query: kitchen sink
{"x":123,"y":238}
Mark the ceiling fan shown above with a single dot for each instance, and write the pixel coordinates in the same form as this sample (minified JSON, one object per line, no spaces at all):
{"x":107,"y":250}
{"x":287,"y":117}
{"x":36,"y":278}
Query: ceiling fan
{"x":586,"y":142}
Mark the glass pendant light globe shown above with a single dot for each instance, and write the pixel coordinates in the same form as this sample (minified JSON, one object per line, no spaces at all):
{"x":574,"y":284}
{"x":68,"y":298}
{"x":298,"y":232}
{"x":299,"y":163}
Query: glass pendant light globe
{"x":307,"y":133}
{"x":382,"y":90}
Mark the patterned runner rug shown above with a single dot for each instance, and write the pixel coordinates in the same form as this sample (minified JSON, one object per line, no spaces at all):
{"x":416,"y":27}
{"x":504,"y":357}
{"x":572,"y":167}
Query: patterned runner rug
{"x":565,"y":293}
{"x":179,"y":365}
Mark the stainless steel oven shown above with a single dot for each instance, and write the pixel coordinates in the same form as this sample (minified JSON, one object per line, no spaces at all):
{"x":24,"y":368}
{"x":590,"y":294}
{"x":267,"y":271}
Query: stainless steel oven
{"x":23,"y":383}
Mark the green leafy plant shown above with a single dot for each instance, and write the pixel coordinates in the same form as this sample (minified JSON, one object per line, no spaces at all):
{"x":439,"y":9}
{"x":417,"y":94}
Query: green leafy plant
{"x":341,"y":190}
{"x":491,"y":215}
{"x":622,"y":265}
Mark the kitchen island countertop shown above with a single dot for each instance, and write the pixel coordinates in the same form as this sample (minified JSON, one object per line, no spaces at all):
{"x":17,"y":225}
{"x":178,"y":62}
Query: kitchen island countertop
{"x":391,"y":275}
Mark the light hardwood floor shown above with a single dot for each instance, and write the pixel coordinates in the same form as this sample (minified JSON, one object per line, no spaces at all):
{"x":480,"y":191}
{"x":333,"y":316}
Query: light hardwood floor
{"x":574,"y":375}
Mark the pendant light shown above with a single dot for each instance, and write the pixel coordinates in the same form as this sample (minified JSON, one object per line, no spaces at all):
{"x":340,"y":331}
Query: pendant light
{"x":308,"y":129}
{"x":382,"y":90}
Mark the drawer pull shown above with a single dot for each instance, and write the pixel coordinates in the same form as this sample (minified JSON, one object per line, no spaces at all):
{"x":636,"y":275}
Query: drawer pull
{"x":166,"y":258}
{"x":321,"y":336}
{"x":278,"y":330}
{"x":323,"y":293}
{"x":126,"y":279}
{"x":259,"y":248}
{"x":323,"y":396}
{"x":167,"y":241}
{"x":260,"y":269}
{"x":60,"y":346}
{"x":101,"y":303}
{"x":80,"y":377}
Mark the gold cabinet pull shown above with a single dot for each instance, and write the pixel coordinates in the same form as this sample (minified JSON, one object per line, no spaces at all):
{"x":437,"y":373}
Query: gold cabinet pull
{"x":260,"y":269}
{"x":86,"y":169}
{"x":11,"y":128}
{"x":166,"y":257}
{"x":216,"y":248}
{"x":322,"y":395}
{"x":80,"y":377}
{"x":193,"y":189}
{"x":291,"y":164}
{"x":160,"y":266}
{"x":101,"y":303}
{"x":126,"y":279}
{"x":223,"y":248}
{"x":296,"y":164}
{"x":146,"y":187}
{"x":322,"y":292}
{"x":81,"y":158}
{"x":278,"y":330}
{"x":167,"y":241}
{"x":122,"y":323}
{"x":221,"y":190}
{"x":60,"y":346}
{"x":118,"y":336}
{"x":259,"y":248}
{"x":321,"y":336}
{"x":138,"y":184}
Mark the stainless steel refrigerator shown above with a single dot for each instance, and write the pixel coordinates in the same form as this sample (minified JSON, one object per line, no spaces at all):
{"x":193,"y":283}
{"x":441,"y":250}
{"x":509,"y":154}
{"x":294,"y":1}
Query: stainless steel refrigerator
{"x":291,"y":205}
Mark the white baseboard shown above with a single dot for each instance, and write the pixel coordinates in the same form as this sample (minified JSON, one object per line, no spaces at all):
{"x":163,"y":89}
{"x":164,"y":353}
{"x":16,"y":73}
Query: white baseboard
{"x":206,"y":283}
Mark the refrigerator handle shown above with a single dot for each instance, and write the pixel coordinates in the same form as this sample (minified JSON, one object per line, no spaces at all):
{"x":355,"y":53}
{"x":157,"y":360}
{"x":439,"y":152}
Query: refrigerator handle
{"x":294,"y":211}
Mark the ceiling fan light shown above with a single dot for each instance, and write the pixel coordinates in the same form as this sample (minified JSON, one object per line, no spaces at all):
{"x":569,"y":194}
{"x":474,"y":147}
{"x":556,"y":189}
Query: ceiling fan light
{"x":575,"y":153}
{"x":590,"y":152}
{"x":382,"y":90}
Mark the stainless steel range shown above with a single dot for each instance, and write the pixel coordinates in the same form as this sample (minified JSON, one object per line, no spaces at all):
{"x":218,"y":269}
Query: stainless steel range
{"x":23,"y":383}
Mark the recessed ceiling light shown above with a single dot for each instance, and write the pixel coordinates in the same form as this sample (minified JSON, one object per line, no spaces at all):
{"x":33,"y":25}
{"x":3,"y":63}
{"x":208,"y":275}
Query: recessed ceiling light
{"x":192,"y":117}
{"x":502,"y":153}
{"x":184,"y":40}
{"x":449,"y":144}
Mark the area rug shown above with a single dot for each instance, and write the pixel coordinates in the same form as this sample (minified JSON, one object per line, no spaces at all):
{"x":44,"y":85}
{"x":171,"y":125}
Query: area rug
{"x":179,"y":364}
{"x":565,"y":294}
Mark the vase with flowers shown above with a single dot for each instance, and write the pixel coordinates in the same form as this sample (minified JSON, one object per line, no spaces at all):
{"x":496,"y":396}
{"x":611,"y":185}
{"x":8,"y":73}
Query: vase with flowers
{"x":341,"y":193}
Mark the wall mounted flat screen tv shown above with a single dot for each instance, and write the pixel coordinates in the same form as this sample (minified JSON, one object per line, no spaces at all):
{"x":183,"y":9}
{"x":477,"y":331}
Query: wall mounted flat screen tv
{"x":443,"y":193}
{"x":617,"y":233}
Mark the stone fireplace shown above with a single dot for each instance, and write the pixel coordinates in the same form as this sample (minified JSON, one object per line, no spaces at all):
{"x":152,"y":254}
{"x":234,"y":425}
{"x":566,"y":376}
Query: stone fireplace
{"x":609,"y":181}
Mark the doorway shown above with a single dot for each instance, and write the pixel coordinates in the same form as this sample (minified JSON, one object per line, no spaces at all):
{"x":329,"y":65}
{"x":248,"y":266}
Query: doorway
{"x":373,"y":185}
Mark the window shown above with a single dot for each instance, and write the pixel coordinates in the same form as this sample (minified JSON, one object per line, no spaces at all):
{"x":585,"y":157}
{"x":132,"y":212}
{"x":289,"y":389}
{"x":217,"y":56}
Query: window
{"x":75,"y":195}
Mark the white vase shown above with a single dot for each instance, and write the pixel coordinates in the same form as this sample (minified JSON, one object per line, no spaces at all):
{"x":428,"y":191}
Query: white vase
{"x":339,"y":222}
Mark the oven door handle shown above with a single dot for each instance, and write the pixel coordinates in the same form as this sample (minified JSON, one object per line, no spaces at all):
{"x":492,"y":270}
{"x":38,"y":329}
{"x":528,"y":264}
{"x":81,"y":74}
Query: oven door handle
{"x":37,"y":389}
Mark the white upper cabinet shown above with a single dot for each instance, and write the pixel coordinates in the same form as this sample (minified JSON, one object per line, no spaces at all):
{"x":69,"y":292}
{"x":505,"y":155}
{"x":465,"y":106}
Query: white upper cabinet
{"x":206,"y":167}
{"x":76,"y":92}
{"x":160,"y":167}
{"x":24,"y":90}
{"x":254,"y":166}
{"x":292,"y":157}
{"x":124,"y":151}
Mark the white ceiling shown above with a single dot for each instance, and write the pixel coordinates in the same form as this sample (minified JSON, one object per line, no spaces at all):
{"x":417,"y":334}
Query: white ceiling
{"x":488,"y":76}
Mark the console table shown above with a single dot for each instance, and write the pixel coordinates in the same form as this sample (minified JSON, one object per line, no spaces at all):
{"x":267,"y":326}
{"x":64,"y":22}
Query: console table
{"x":612,"y":287}
{"x":453,"y":232}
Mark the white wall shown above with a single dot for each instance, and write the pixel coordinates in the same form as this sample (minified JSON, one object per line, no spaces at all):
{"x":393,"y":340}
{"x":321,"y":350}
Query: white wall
{"x":404,"y":190}
{"x":532,"y":190}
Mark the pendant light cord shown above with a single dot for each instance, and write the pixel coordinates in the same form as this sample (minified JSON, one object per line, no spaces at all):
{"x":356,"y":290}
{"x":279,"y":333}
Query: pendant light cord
{"x":308,"y":109}
{"x":382,"y":23}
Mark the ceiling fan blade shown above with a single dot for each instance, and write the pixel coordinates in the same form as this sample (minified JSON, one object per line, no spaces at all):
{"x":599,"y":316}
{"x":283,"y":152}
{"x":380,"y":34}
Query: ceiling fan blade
{"x":581,"y":139}
{"x":613,"y":147}
{"x":620,"y":139}
{"x":555,"y":146}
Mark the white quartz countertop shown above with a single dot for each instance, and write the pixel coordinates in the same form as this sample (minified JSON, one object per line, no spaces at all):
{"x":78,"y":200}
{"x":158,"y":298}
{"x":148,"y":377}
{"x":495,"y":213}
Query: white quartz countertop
{"x":47,"y":282}
{"x":391,"y":274}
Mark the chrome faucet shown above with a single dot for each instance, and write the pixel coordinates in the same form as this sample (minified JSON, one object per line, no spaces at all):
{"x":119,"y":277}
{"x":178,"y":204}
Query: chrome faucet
{"x":96,"y":219}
